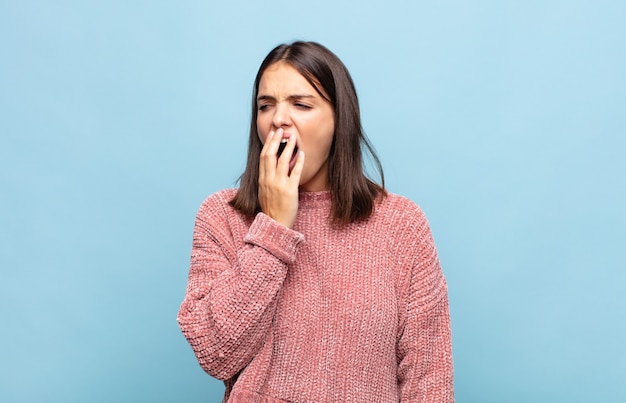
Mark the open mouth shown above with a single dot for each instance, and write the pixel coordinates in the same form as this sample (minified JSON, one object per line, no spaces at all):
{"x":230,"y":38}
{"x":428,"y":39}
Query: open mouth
{"x":282,"y":146}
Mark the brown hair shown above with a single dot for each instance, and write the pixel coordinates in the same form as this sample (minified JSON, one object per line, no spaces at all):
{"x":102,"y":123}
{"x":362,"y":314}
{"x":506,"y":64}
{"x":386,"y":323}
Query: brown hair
{"x":352,"y":193}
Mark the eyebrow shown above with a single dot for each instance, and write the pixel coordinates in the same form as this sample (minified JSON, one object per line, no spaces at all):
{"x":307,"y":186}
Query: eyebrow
{"x":290,"y":97}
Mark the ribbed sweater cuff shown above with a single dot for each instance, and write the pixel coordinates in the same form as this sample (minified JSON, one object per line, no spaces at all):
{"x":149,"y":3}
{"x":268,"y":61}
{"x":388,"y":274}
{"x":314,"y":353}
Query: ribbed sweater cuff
{"x":277,"y":239}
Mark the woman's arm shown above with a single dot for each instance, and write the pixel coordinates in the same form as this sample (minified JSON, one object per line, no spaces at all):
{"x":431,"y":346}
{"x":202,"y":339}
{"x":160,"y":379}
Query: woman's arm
{"x":231,"y":293}
{"x":425,"y":370}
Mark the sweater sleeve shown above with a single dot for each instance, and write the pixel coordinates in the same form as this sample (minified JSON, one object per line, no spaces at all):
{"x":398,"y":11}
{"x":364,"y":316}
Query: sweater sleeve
{"x":231,"y":293}
{"x":425,"y":370}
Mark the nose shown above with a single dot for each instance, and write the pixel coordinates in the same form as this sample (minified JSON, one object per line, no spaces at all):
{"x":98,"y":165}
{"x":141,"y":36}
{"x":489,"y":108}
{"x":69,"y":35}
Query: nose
{"x":281,"y":116}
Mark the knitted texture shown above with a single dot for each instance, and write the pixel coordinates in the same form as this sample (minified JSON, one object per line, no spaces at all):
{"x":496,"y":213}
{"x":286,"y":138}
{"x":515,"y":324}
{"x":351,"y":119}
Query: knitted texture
{"x":319,"y":313}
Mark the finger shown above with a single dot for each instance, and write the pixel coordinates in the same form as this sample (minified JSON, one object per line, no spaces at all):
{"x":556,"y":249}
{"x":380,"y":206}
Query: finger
{"x":282,"y":167}
{"x":267,"y":140}
{"x":263,"y":156}
{"x":274,"y":142}
{"x":296,"y":172}
{"x":270,"y":151}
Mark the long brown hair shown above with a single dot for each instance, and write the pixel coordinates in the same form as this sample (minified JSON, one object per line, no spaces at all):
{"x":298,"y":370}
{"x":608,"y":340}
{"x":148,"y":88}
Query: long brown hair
{"x":353,"y":194}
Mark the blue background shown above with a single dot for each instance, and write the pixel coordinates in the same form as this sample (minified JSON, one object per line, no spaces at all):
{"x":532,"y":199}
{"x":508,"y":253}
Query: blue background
{"x":504,"y":120}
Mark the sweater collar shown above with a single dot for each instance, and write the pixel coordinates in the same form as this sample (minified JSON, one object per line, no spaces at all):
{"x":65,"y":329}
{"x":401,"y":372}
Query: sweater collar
{"x":314,"y":199}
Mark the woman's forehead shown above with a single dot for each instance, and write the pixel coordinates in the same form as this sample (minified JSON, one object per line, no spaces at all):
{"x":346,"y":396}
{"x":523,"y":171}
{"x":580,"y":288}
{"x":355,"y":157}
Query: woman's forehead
{"x":284,"y":80}
{"x":282,"y":76}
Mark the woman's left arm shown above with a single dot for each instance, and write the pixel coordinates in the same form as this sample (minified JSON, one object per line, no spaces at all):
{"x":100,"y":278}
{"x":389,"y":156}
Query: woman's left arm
{"x":425,"y":369}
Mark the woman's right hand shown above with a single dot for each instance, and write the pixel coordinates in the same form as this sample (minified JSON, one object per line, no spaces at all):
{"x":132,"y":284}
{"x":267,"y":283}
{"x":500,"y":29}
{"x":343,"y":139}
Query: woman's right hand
{"x":278,"y":186}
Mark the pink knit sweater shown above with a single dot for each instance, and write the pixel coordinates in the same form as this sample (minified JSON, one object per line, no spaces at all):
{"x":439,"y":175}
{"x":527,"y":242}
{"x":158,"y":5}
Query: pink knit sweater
{"x":319,"y":313}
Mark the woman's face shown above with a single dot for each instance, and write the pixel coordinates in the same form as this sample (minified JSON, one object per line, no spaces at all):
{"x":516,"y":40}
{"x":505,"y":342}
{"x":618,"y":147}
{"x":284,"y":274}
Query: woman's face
{"x":286,"y":100}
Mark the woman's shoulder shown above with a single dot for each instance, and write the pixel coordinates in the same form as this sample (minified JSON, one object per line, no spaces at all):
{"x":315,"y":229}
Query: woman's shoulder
{"x":218,"y":202}
{"x":402,"y":216}
{"x":400,"y":206}
{"x":221,"y":196}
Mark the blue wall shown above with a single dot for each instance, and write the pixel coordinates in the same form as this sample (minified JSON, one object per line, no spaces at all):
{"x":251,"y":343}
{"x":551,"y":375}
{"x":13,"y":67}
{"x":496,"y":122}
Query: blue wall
{"x":505,"y":120}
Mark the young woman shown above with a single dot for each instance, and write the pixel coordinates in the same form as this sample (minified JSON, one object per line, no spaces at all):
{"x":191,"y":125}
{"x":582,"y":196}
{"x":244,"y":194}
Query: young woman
{"x":311,"y":283}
